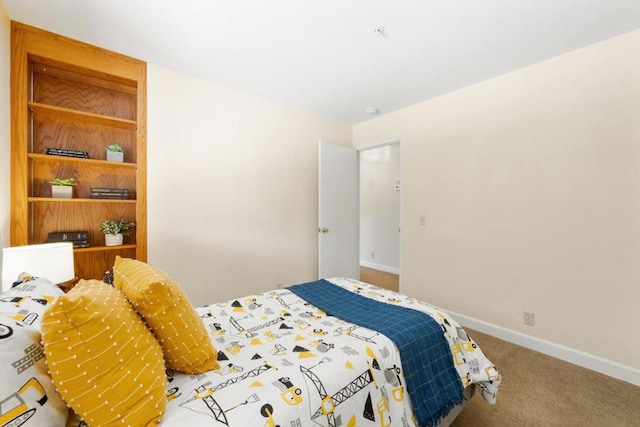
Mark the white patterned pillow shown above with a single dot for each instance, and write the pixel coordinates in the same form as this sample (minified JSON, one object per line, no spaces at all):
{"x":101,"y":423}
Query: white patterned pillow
{"x":27,"y":301}
{"x":27,"y":394}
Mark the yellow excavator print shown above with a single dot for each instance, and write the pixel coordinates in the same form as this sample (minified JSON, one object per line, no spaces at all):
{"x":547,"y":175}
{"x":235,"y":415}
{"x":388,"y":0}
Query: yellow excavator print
{"x":23,"y":316}
{"x":14,"y":410}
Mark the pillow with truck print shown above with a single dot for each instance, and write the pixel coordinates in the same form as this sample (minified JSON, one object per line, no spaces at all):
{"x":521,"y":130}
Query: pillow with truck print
{"x":27,"y":299}
{"x":27,"y":394}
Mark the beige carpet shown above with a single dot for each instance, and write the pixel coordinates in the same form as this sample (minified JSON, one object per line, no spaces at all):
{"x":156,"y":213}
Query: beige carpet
{"x":538,"y":390}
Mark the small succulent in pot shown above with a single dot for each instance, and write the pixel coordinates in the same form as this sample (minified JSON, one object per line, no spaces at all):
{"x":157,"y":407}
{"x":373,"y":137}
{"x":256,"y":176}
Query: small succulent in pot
{"x":115,"y":153}
{"x":117,"y":148}
{"x":62,"y":188}
{"x":120,"y":226}
{"x":63,"y":181}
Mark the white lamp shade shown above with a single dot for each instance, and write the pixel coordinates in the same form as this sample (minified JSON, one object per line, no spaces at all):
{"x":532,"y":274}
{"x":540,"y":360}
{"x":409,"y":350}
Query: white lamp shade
{"x":53,"y":261}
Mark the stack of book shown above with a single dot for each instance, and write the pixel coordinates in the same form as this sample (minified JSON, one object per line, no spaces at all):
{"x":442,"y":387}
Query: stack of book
{"x":109,"y":193}
{"x":80,"y":239}
{"x":67,"y":153}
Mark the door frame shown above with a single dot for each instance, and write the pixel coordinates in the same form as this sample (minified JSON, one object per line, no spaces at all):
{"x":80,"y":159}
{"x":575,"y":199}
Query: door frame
{"x":392,"y":141}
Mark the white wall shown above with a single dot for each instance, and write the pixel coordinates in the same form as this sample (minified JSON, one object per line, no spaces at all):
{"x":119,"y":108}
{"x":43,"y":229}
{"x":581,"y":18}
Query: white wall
{"x":5,"y":131}
{"x":380,"y":208}
{"x":530,"y":183}
{"x":232,"y":187}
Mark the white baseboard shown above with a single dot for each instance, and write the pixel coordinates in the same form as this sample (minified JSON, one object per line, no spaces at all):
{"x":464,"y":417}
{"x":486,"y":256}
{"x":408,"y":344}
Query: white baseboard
{"x":380,"y":267}
{"x":577,"y":357}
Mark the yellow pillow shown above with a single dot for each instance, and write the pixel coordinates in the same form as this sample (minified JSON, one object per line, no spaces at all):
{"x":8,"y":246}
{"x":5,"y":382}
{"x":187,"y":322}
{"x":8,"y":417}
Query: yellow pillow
{"x":102,"y":358}
{"x":166,"y":308}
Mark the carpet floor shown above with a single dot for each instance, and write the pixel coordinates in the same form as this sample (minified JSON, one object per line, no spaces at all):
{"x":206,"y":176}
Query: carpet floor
{"x":539,"y":390}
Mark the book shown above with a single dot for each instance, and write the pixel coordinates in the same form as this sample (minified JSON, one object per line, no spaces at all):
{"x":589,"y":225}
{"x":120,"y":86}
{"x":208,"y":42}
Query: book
{"x":67,"y":153}
{"x":109,"y":190}
{"x":68,"y":236}
{"x":80,"y":243}
{"x":109,"y":193}
{"x":51,"y":150}
{"x":76,"y":243}
{"x":108,"y":196}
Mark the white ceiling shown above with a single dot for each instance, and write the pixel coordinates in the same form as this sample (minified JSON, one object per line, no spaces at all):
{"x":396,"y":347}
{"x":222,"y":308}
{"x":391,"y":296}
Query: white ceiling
{"x":325,"y":55}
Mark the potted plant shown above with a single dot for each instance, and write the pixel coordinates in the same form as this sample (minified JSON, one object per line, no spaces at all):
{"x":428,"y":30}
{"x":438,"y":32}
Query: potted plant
{"x":115,"y":230}
{"x":115,"y":153}
{"x":62,"y":188}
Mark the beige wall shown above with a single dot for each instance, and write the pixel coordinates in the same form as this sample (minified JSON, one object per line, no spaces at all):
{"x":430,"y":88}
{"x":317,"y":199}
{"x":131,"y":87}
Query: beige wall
{"x":530,"y":184}
{"x":232,"y":186}
{"x":232,"y":183}
{"x":5,"y":114}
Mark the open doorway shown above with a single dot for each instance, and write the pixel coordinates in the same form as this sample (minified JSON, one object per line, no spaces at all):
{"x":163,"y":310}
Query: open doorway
{"x":380,"y":202}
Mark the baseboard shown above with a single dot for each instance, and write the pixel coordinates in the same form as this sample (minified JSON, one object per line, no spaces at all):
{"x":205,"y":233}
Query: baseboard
{"x":380,"y":267}
{"x":577,"y":357}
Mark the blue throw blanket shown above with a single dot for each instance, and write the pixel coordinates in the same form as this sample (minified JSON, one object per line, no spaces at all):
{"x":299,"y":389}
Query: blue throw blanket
{"x":432,"y":380}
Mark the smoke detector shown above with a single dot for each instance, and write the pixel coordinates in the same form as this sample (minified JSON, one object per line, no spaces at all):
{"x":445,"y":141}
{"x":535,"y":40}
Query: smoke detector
{"x":372,"y":111}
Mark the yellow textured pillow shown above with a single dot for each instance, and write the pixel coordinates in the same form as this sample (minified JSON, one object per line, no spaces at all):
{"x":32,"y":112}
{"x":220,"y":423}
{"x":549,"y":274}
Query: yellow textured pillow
{"x":165,"y":307}
{"x":102,"y":358}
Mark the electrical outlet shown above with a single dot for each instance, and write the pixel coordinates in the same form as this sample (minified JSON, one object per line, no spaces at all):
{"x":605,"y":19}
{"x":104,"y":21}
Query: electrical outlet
{"x":373,"y":255}
{"x":422,"y":220}
{"x":529,"y":318}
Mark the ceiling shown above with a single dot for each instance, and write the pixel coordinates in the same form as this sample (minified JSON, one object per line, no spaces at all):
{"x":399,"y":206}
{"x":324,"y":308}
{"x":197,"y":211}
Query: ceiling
{"x":337,"y":57}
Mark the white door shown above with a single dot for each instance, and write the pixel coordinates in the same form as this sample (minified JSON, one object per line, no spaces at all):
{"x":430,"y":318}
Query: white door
{"x":338,"y":212}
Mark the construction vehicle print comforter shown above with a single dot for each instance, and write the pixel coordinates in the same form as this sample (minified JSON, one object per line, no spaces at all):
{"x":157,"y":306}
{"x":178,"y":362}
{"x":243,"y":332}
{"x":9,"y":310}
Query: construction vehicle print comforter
{"x":285,"y":362}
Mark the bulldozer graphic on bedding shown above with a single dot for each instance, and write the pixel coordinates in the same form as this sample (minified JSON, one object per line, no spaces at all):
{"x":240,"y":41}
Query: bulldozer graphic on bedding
{"x":14,"y":409}
{"x":24,"y":315}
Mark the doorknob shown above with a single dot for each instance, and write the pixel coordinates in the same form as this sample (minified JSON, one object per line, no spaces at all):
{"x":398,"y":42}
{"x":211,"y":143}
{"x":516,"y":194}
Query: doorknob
{"x":323,"y":230}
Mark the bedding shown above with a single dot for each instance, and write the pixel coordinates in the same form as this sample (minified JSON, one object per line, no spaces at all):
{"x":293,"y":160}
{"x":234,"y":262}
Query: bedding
{"x":287,"y":362}
{"x":430,"y":376}
{"x":27,"y":393}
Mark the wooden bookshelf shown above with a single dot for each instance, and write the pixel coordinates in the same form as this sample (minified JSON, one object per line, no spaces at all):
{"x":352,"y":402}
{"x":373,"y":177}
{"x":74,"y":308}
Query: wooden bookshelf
{"x":71,"y":95}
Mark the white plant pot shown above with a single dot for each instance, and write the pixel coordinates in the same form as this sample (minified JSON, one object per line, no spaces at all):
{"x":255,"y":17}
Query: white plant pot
{"x":115,"y":156}
{"x":113,"y":239}
{"x":62,"y":191}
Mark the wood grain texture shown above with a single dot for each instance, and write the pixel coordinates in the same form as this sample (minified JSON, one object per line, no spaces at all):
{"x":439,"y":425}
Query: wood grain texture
{"x":92,"y":264}
{"x":19,"y":136}
{"x":380,"y":278}
{"x":57,"y":91}
{"x":141,"y":172}
{"x":72,"y":95}
{"x":53,"y":129}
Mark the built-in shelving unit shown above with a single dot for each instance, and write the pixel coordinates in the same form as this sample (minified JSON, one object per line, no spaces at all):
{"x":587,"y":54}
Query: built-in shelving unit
{"x":70,"y":95}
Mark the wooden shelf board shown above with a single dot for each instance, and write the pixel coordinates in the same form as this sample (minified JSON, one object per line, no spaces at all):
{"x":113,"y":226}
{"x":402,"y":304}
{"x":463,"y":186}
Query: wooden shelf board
{"x":78,"y":200}
{"x":65,"y":159}
{"x":82,"y":115}
{"x":105,"y":248}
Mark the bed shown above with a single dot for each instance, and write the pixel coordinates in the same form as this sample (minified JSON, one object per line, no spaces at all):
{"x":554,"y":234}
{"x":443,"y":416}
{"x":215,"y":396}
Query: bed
{"x":279,"y":359}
